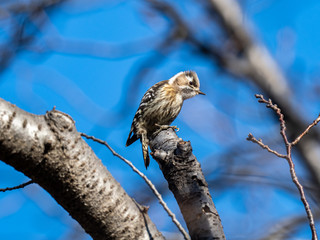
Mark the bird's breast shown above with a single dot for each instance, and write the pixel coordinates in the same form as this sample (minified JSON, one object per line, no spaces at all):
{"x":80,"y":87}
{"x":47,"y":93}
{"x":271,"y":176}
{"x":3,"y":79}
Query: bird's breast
{"x":165,"y":108}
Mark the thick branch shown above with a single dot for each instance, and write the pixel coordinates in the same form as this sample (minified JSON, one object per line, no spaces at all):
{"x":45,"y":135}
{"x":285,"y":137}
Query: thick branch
{"x":50,"y":151}
{"x":185,"y":178}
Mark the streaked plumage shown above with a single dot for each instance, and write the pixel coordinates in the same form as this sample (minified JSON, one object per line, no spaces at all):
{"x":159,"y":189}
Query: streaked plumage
{"x":160,"y":105}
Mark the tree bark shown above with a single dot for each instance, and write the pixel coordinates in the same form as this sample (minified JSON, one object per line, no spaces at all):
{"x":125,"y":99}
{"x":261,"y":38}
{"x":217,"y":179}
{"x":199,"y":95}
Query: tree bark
{"x":49,"y":150}
{"x":186,"y":181}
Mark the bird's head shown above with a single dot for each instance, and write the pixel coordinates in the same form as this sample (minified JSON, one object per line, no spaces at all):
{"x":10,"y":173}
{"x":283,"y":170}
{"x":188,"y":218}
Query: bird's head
{"x":187,"y":83}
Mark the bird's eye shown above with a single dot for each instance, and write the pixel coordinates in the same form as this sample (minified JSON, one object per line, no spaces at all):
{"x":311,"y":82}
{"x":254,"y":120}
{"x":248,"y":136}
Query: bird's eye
{"x":192,"y":83}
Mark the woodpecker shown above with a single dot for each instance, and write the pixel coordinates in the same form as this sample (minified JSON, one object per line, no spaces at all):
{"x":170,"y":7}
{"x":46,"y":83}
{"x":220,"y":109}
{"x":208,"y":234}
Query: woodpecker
{"x":159,"y":106}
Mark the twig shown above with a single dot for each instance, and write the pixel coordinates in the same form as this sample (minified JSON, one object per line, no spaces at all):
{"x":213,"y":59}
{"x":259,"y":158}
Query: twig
{"x":264,"y":146}
{"x":288,"y":157}
{"x":149,"y":183}
{"x":315,"y":122}
{"x":16,"y":187}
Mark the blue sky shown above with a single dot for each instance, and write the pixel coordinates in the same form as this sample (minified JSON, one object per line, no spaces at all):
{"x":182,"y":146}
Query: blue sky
{"x":89,"y":78}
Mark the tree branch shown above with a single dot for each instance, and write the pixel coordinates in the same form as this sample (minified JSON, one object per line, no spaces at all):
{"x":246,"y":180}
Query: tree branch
{"x":49,"y":150}
{"x":148,"y":182}
{"x":264,"y":146}
{"x":288,"y":157}
{"x":16,"y":187}
{"x":315,"y":122}
{"x":186,"y":181}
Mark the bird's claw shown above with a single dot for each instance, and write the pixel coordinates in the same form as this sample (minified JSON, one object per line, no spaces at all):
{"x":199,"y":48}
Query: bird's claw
{"x":164,"y":127}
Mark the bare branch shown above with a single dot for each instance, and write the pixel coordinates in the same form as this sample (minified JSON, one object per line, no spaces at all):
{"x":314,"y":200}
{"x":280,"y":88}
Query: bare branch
{"x":264,"y":146}
{"x":149,"y":183}
{"x":16,"y":187}
{"x":315,"y":122}
{"x":188,"y":184}
{"x":277,"y":110}
{"x":288,"y":157}
{"x":48,"y":149}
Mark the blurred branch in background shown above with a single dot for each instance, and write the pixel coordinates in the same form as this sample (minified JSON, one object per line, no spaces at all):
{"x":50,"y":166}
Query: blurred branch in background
{"x":17,"y":18}
{"x":286,"y":228}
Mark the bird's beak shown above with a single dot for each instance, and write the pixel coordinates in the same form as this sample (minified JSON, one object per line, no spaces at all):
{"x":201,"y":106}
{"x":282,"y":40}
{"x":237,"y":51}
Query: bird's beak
{"x":199,"y":92}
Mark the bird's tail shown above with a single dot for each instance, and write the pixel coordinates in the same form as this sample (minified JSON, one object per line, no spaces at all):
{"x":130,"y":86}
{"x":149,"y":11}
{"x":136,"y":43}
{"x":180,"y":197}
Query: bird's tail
{"x":145,"y":144}
{"x":131,"y":138}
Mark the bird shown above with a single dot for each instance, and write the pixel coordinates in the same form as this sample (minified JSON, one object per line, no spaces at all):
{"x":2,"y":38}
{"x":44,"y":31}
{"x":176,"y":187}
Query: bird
{"x":160,"y":106}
